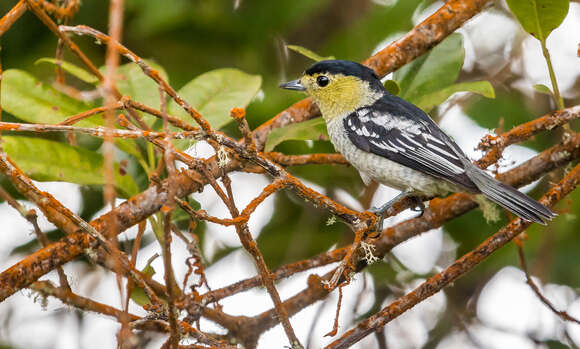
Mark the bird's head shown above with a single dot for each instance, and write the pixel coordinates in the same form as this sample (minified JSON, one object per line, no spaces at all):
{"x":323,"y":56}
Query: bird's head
{"x":338,"y":87}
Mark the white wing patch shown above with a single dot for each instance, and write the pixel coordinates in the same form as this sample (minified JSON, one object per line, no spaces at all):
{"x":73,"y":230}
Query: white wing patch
{"x":439,"y":162}
{"x":392,"y":143}
{"x":431,"y":139}
{"x":441,"y":150}
{"x":365,"y":132}
{"x":409,"y":140}
{"x":384,"y":145}
{"x":389,"y":122}
{"x":400,"y":132}
{"x":364,"y":114}
{"x":407,"y":137}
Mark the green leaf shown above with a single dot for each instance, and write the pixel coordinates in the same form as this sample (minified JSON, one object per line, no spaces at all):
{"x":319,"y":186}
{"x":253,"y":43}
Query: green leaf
{"x":555,"y":344}
{"x":392,"y":86}
{"x":131,"y":81}
{"x":31,"y":100}
{"x":45,"y":160}
{"x":539,"y":17}
{"x":128,"y":146}
{"x":543,"y":89}
{"x":149,"y":270}
{"x":433,"y":71}
{"x":429,"y":80}
{"x":308,"y":53}
{"x":308,"y":130}
{"x":430,"y":101}
{"x":215,"y":93}
{"x":138,"y":295}
{"x":71,"y":69}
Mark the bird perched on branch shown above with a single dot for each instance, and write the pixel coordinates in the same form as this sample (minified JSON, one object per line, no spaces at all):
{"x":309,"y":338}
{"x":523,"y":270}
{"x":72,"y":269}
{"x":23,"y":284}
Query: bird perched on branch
{"x":393,"y":142}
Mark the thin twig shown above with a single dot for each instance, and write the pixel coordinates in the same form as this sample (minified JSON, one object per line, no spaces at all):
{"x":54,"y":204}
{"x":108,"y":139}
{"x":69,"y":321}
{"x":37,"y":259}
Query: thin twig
{"x":460,"y":267}
{"x":81,"y":116}
{"x":196,"y":266}
{"x":167,"y":210}
{"x":46,"y":288}
{"x":109,"y":192}
{"x":346,"y":266}
{"x":12,"y":16}
{"x":560,"y":313}
{"x":129,"y":103}
{"x":111,"y":64}
{"x":439,"y":212}
{"x":170,"y":283}
{"x":151,"y":200}
{"x":307,"y":159}
{"x":239,"y":115}
{"x":495,"y":145}
{"x":64,"y":219}
{"x":65,"y":12}
{"x":334,"y":330}
{"x":35,"y":8}
{"x":98,"y":131}
{"x":133,"y":261}
{"x":251,"y":246}
{"x":147,"y":69}
{"x":32,"y":218}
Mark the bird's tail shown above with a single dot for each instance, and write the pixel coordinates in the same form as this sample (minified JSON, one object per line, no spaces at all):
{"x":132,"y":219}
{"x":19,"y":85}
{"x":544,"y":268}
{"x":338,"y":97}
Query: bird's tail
{"x":510,"y":198}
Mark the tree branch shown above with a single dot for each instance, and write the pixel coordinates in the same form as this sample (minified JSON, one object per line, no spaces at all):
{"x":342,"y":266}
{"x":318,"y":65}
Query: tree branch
{"x":439,"y":212}
{"x":12,"y":16}
{"x":463,"y":265}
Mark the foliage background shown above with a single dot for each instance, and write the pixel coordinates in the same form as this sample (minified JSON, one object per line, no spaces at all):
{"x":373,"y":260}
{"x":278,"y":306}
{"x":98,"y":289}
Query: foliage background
{"x":188,"y":38}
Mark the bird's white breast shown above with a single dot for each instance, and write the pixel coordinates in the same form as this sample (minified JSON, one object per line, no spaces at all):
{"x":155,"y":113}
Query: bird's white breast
{"x":381,"y":169}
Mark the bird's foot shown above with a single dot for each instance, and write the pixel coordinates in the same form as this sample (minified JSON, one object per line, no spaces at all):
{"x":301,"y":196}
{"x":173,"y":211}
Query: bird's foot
{"x":419,"y":206}
{"x":380,"y":211}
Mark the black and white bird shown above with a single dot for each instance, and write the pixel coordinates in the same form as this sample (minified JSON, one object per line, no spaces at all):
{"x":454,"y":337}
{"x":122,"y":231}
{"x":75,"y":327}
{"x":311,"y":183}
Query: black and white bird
{"x":393,"y":142}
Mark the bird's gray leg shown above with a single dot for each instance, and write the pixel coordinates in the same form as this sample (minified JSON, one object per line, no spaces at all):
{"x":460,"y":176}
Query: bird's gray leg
{"x":379,"y":211}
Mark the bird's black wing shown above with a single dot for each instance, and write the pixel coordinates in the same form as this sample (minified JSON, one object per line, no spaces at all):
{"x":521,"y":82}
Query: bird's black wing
{"x":399,"y":131}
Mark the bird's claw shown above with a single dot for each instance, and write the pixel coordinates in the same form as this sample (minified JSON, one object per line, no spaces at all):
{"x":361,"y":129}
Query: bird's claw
{"x":380,"y":220}
{"x":379,"y":212}
{"x":420,"y":207}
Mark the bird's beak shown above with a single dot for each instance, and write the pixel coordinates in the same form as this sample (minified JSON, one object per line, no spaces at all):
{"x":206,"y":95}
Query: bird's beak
{"x":293,"y":85}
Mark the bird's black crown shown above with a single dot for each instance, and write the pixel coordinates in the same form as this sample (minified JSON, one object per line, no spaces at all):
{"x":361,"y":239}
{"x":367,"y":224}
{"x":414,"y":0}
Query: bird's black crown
{"x":345,"y":68}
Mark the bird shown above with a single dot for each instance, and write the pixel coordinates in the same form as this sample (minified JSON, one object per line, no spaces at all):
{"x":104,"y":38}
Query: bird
{"x":395,"y":143}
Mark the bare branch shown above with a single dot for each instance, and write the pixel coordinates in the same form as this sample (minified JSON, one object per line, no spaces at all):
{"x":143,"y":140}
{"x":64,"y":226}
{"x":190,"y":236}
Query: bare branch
{"x":560,"y":313}
{"x":463,"y":265}
{"x":12,"y":16}
{"x":98,"y":131}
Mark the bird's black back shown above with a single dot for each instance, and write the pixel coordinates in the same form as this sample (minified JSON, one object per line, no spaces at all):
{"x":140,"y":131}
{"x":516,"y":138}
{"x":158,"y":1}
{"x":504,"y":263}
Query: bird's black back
{"x":399,"y":131}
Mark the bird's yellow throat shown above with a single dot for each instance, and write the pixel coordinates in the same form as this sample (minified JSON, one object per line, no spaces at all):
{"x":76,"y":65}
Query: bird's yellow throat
{"x":343,"y":95}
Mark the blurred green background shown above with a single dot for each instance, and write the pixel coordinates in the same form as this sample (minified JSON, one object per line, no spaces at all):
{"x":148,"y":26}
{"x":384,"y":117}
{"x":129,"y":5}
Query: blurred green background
{"x":190,"y":37}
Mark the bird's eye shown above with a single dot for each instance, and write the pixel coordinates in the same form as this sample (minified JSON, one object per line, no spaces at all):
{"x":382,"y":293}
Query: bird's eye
{"x":322,"y":81}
